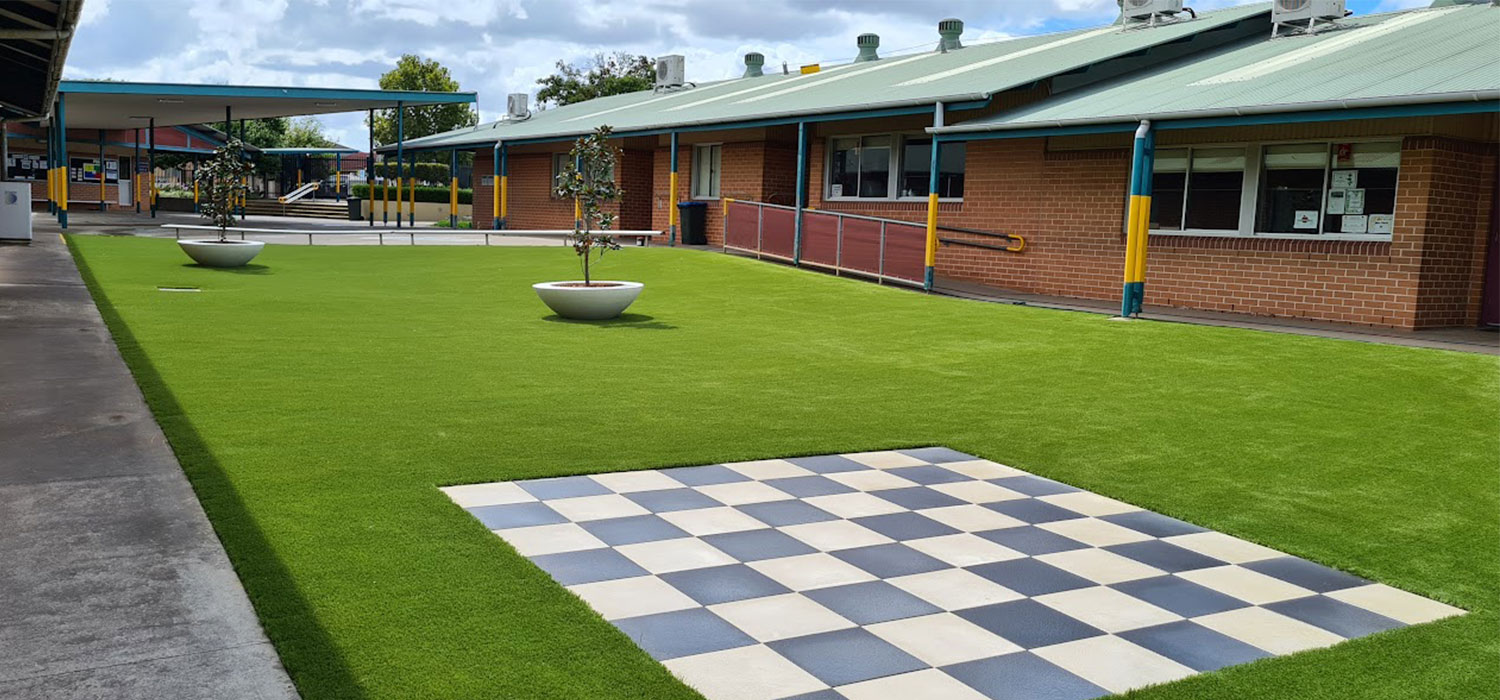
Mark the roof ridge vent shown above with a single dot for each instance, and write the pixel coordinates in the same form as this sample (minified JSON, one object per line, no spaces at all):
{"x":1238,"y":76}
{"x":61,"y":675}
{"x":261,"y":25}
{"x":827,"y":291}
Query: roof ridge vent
{"x":754,"y":61}
{"x":867,"y":44}
{"x":949,"y":30}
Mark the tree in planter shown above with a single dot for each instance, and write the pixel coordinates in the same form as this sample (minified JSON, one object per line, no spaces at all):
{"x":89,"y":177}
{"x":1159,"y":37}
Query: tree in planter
{"x":589,"y":178}
{"x":221,"y":182}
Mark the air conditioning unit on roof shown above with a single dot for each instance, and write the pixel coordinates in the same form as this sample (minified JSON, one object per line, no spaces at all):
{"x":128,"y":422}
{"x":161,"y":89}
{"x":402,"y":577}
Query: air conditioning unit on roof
{"x":670,"y":71}
{"x":1305,"y":14}
{"x":1149,"y":11}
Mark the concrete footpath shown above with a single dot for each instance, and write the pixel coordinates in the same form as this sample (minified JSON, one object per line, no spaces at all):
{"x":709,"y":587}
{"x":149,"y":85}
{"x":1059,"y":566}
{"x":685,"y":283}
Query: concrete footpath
{"x":112,"y":583}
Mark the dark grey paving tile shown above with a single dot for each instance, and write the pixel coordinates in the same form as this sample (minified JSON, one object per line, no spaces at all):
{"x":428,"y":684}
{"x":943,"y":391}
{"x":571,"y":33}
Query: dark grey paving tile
{"x":927,"y":475}
{"x":682,"y":633}
{"x":809,"y":486}
{"x":1306,"y":574}
{"x":1165,"y":556}
{"x":1030,"y":577}
{"x":1194,"y":645}
{"x":723,"y":584}
{"x":563,"y":487}
{"x":1032,"y":540}
{"x":1335,"y":616}
{"x":905,"y":526}
{"x":667,"y":500}
{"x":1180,"y":596}
{"x":918,"y":497}
{"x":783,"y":513}
{"x":846,"y":656}
{"x":588,"y":566}
{"x":706,"y":475}
{"x":829,"y":694}
{"x":755,"y":545}
{"x":1023,"y":676}
{"x":828,"y":464}
{"x":1028,"y":623}
{"x":871,"y":602}
{"x":938,"y":455}
{"x":630,"y":530}
{"x":516,"y":515}
{"x":1153,"y":524}
{"x":1032,"y":510}
{"x":1033,"y":485}
{"x":890,"y":560}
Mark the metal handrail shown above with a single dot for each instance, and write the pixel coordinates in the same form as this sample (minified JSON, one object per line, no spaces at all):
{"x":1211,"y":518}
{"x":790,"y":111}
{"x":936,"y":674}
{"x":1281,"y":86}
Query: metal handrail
{"x":298,"y":193}
{"x":837,"y":267}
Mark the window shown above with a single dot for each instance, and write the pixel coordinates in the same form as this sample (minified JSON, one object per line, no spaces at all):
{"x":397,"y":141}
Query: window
{"x":706,"y":163}
{"x":916,"y":168}
{"x":1340,"y":188}
{"x":1197,"y":188}
{"x":891,"y":166}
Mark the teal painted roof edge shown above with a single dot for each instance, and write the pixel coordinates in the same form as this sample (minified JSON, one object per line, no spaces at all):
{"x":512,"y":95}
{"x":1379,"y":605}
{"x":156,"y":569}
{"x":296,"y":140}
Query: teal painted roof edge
{"x":108,"y":87}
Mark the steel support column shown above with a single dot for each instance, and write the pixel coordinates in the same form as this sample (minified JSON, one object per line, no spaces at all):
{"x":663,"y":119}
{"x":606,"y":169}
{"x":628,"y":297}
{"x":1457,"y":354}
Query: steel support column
{"x":103,"y":201}
{"x":151,"y":166}
{"x":1138,"y":222}
{"x":135,"y":172}
{"x":801,"y":192}
{"x":400,"y":155}
{"x":672,"y":202}
{"x":929,"y":266}
{"x":370,"y":174}
{"x":453,"y":189}
{"x":62,"y":185}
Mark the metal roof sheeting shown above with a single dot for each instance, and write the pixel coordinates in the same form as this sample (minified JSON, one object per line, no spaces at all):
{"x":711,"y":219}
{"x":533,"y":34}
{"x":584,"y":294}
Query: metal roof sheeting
{"x":974,"y":72}
{"x":1420,"y":56}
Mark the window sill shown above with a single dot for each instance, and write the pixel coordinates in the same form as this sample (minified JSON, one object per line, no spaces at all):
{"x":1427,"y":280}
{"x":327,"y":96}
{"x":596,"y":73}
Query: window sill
{"x":1311,"y":237}
{"x":891,"y":200}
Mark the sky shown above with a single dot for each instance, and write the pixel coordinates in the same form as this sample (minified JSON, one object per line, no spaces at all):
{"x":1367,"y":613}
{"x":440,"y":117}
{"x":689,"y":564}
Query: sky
{"x":496,"y":47}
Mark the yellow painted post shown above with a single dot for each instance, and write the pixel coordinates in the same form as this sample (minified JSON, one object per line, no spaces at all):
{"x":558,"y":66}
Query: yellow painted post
{"x":930,"y":252}
{"x":399,"y":200}
{"x":338,"y":183}
{"x":411,"y":189}
{"x":504,"y":197}
{"x":453,"y":201}
{"x":672,"y":202}
{"x":385,"y":201}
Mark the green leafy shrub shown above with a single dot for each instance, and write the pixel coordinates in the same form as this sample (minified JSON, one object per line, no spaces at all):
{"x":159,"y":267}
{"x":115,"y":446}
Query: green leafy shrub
{"x":424,"y":194}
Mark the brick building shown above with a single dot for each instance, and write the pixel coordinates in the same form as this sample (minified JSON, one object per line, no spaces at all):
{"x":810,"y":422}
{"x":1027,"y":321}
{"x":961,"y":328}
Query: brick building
{"x":1346,"y":174}
{"x":123,"y":151}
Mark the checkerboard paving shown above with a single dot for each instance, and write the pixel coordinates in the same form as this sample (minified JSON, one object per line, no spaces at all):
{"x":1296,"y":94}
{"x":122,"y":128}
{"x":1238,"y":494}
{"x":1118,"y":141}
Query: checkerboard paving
{"x":923,"y":573}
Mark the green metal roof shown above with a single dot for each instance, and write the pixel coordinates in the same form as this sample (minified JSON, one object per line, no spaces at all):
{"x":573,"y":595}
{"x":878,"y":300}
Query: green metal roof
{"x":1424,"y":56}
{"x":972,"y":73}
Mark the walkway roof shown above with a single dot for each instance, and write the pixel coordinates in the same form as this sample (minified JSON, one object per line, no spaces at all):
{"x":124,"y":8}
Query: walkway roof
{"x":310,"y":151}
{"x":34,"y":40}
{"x":914,"y":82}
{"x":1426,"y":56}
{"x":115,"y":105}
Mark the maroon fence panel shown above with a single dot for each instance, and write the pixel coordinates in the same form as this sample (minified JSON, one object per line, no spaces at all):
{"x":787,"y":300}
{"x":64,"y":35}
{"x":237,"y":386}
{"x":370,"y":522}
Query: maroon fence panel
{"x":905,"y":251}
{"x":741,"y":226}
{"x":778,"y":231}
{"x":861,"y":246}
{"x":820,"y":238}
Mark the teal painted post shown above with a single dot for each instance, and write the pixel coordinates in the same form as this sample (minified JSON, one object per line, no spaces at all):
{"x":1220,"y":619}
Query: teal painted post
{"x":929,"y":270}
{"x":801,"y":192}
{"x":411,"y":192}
{"x":578,"y":206}
{"x":241,"y":156}
{"x":338,"y":167}
{"x":672,"y":200}
{"x":1148,"y":168}
{"x":51,"y":149}
{"x":151,"y":166}
{"x":496,"y":167}
{"x":103,"y":201}
{"x":370,"y":173}
{"x":135,"y":169}
{"x":1139,"y":177}
{"x":400,"y":155}
{"x":62,"y":131}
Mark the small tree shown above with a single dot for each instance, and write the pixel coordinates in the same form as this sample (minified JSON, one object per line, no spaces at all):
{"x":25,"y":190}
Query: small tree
{"x":221,"y":182}
{"x":590,"y":178}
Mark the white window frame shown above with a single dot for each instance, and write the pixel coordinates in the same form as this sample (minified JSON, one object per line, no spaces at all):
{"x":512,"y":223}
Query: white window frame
{"x":558,"y":158}
{"x":893,"y":179}
{"x":718,"y":178}
{"x":1250,"y":194}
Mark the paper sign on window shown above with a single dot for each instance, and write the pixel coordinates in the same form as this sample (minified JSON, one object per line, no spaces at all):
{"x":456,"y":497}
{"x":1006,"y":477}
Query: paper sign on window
{"x":1344,"y":179}
{"x":836,"y":190}
{"x":1382,"y":223}
{"x":1356,"y":203}
{"x":1336,"y":202}
{"x":1355,"y":224}
{"x":1305,"y":218}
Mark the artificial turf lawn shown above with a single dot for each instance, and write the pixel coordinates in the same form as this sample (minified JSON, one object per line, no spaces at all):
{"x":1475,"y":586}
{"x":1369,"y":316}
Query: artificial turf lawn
{"x":317,"y":401}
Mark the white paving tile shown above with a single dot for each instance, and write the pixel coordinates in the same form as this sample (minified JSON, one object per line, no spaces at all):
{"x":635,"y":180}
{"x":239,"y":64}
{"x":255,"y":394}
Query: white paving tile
{"x":833,"y":535}
{"x":854,"y":505}
{"x":776,"y":617}
{"x":1088,"y":503}
{"x":1395,"y":603}
{"x":473,"y":495}
{"x":680,"y":554}
{"x":983,"y":469}
{"x":746,"y":673}
{"x":1113,"y":663}
{"x":927,"y":684}
{"x":1223,"y":547}
{"x":711,"y":521}
{"x":762,"y":469}
{"x":1107,"y":609}
{"x":586,"y":508}
{"x":632,"y":482}
{"x":806,"y":572}
{"x":955,"y":589}
{"x":1250,"y":586}
{"x":942,"y":639}
{"x":885,"y":460}
{"x":739,"y":493}
{"x":963,"y":549}
{"x":550,"y":539}
{"x":632,"y":597}
{"x":1271,"y":631}
{"x":1100,"y":566}
{"x":972,"y":518}
{"x":978,"y":491}
{"x":871,"y":480}
{"x":1094,"y":532}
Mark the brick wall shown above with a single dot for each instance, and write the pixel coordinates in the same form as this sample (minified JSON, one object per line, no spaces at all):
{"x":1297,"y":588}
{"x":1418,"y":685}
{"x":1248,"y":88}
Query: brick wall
{"x":1069,"y":205}
{"x":532,"y":205}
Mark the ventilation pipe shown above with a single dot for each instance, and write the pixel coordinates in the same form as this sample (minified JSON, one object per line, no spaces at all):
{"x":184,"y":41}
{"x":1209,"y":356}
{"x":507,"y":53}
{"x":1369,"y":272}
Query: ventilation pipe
{"x":949,"y":30}
{"x":753,"y":63}
{"x":867,"y":44}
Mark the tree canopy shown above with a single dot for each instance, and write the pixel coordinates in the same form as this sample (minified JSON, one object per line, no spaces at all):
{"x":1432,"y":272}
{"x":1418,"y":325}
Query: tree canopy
{"x":604,"y":74}
{"x":306,"y":132}
{"x":416,"y":73}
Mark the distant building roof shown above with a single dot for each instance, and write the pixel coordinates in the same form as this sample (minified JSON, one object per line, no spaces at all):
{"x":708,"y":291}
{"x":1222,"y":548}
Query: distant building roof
{"x":1425,"y":56}
{"x":973,"y":73}
{"x":34,"y":41}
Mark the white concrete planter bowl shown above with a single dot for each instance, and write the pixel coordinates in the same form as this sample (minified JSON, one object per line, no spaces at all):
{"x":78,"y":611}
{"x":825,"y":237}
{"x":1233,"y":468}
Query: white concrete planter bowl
{"x":217,"y":253}
{"x":606,"y":299}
